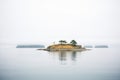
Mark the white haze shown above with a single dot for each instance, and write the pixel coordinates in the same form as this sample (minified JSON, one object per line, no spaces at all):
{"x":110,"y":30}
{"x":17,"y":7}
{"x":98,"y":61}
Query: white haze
{"x":42,"y":21}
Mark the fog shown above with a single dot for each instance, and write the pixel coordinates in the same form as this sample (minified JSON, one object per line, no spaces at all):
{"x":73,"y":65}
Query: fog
{"x":43,"y":21}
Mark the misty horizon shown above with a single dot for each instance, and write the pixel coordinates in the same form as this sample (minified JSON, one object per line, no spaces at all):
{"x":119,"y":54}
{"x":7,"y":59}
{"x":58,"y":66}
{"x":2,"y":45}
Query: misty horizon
{"x":34,"y":21}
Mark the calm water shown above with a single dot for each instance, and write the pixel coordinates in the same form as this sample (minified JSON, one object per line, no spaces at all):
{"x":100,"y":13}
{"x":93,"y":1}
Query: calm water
{"x":32,"y":64}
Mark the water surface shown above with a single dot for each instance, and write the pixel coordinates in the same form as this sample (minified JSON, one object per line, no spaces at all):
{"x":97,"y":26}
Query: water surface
{"x":32,"y":64}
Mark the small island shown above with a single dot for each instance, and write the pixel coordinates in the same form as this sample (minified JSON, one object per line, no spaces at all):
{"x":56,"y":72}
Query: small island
{"x":64,"y":46}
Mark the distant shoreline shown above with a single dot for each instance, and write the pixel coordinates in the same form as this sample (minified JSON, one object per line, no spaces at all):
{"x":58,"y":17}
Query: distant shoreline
{"x":30,"y":46}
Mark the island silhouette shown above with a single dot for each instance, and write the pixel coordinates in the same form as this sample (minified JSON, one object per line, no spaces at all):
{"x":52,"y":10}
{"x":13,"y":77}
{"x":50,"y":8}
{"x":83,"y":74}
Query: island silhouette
{"x":64,"y":46}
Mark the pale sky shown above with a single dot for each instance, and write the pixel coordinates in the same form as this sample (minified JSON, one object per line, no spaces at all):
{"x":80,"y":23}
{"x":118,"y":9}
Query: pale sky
{"x":42,"y":21}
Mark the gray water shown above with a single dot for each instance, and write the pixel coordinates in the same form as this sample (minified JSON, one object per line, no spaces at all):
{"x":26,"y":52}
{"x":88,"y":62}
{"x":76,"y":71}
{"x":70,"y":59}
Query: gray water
{"x":32,"y":64}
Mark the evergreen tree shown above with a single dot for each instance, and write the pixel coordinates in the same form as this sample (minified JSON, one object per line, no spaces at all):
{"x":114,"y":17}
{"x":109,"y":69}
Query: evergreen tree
{"x":73,"y":42}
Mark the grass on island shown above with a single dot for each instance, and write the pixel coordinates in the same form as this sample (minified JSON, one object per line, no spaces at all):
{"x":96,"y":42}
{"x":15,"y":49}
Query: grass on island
{"x":64,"y":46}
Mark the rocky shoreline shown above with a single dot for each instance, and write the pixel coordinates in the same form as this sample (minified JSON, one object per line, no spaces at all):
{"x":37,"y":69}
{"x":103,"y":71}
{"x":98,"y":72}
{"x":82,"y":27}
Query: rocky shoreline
{"x":82,"y":49}
{"x":65,"y":47}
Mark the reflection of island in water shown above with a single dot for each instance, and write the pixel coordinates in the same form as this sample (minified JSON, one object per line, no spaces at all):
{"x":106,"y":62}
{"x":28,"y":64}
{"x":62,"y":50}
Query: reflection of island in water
{"x":63,"y":55}
{"x":66,"y":55}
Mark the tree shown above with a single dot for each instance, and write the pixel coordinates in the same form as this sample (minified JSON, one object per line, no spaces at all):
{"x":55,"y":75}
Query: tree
{"x":62,"y":41}
{"x":73,"y":42}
